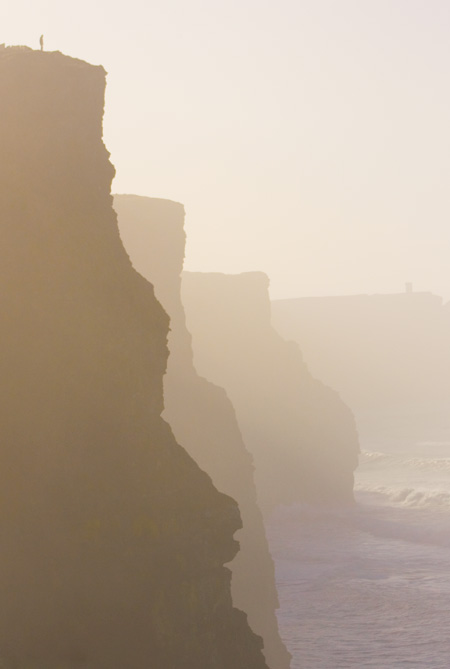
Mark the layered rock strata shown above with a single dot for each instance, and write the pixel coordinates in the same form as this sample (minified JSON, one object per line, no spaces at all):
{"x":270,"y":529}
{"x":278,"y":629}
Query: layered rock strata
{"x":113,"y":540}
{"x":302,"y":436}
{"x":200,"y":413}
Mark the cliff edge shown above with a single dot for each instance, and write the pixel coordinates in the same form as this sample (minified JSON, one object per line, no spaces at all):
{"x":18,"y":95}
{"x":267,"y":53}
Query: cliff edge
{"x":387,"y":355}
{"x":113,"y":540}
{"x":300,"y":433}
{"x":200,"y":413}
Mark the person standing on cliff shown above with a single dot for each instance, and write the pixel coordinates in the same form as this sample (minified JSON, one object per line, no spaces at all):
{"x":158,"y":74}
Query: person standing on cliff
{"x":41,"y":42}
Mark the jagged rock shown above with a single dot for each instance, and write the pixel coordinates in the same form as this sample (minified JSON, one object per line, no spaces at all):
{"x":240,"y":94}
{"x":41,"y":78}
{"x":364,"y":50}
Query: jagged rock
{"x":113,"y":540}
{"x":200,"y":413}
{"x":300,"y":433}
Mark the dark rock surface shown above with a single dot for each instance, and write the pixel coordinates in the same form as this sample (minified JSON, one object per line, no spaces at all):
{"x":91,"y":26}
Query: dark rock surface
{"x":300,"y":433}
{"x":113,"y":540}
{"x":200,"y":413}
{"x":387,"y":355}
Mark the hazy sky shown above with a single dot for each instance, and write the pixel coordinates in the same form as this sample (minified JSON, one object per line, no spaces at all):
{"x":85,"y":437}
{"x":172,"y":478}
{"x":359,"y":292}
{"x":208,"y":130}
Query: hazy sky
{"x":309,"y":139}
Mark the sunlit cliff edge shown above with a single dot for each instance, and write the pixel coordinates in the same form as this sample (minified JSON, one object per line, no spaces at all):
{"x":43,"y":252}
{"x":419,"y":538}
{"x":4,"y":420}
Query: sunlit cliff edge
{"x":200,"y":413}
{"x":113,"y":540}
{"x":301,"y":435}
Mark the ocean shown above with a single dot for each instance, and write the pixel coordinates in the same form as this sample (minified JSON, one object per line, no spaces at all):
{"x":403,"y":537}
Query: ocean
{"x":370,"y":586}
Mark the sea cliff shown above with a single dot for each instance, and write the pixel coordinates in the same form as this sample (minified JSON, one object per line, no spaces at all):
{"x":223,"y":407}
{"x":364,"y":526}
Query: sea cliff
{"x":387,"y":355}
{"x":300,"y":433}
{"x":113,"y":539}
{"x":200,"y":413}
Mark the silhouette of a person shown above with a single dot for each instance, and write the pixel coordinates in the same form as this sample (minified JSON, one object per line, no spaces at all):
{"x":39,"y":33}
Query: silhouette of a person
{"x":41,"y":42}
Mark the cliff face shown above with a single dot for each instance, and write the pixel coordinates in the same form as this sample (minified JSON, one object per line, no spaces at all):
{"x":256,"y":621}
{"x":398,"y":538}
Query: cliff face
{"x":300,"y":433}
{"x":113,"y":540}
{"x":200,"y":413}
{"x":387,"y":355}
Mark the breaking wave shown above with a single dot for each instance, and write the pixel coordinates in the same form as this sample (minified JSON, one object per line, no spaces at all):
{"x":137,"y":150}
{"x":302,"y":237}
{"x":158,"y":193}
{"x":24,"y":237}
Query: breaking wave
{"x":428,"y":464}
{"x":409,"y":497}
{"x":376,"y":575}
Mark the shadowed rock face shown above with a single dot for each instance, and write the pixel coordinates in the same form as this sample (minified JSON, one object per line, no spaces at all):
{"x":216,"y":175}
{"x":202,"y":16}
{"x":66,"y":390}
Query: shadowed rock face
{"x":300,"y":433}
{"x":387,"y":355}
{"x":113,"y":540}
{"x":200,"y":413}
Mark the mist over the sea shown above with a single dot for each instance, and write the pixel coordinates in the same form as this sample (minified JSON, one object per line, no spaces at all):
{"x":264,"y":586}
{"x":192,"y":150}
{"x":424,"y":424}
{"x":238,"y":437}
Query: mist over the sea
{"x":225,"y":390}
{"x":369,"y":586}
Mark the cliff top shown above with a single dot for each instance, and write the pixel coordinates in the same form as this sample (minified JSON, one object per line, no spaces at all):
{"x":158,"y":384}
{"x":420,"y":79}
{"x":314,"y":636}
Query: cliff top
{"x":253,"y":277}
{"x":423,"y":296}
{"x":25,"y":53}
{"x":152,"y":202}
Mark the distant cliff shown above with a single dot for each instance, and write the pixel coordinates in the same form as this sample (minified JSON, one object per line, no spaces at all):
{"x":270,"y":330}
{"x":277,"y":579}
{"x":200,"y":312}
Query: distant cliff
{"x":301,"y":435}
{"x":200,"y":413}
{"x":113,"y":540}
{"x":387,"y":355}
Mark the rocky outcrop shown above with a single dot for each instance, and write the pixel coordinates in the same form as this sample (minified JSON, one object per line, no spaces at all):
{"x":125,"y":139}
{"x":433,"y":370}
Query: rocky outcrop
{"x":301,"y":435}
{"x":387,"y":355}
{"x":113,"y":540}
{"x":200,"y":413}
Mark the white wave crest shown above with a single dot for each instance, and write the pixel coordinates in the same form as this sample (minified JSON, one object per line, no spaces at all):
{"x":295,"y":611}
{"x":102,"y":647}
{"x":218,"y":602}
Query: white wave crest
{"x":428,"y":464}
{"x":375,"y":456}
{"x":434,"y":464}
{"x":410,"y":497}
